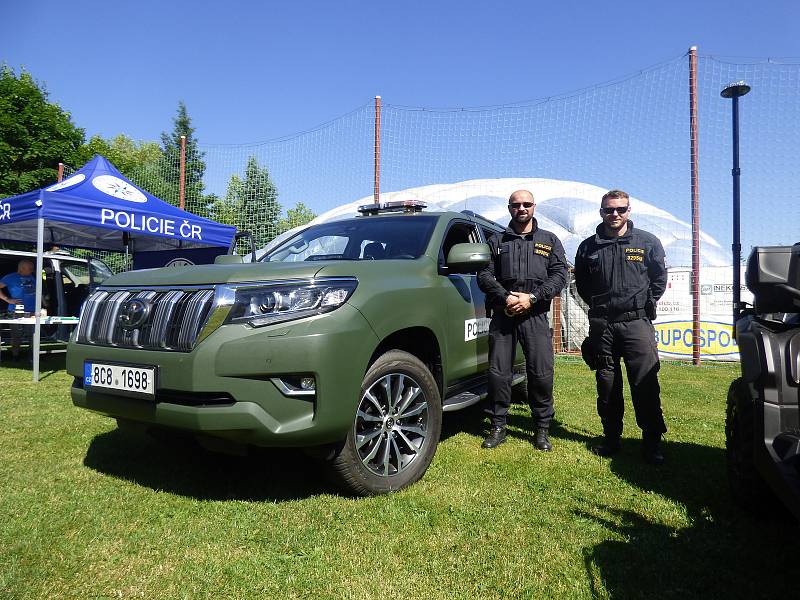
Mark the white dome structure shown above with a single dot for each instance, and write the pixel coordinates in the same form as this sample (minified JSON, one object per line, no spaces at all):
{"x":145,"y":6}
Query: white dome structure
{"x":567,"y":208}
{"x":570,"y":210}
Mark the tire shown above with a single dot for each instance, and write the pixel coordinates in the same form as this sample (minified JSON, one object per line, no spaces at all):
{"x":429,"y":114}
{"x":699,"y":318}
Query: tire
{"x":748,"y":487}
{"x":395,"y":429}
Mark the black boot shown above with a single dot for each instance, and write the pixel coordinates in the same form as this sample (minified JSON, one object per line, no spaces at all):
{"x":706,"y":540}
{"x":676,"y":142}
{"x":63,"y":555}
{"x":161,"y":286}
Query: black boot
{"x":651,"y":450}
{"x":496,"y":437}
{"x":541,"y":441}
{"x":608,"y":447}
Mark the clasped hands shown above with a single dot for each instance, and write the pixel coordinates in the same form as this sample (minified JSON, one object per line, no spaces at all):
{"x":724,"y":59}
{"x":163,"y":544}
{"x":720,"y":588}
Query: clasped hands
{"x":518,"y":303}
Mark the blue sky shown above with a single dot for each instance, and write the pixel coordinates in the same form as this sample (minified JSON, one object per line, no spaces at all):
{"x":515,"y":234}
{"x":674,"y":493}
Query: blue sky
{"x":256,"y":71}
{"x":252,"y":71}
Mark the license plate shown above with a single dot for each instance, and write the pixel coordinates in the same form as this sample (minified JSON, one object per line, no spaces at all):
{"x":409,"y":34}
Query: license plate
{"x":122,"y":379}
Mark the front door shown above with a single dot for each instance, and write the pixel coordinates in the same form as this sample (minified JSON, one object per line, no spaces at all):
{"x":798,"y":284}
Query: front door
{"x":468,"y":327}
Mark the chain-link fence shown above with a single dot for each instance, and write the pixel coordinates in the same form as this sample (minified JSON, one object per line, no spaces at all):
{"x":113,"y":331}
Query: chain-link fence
{"x":633,"y":133}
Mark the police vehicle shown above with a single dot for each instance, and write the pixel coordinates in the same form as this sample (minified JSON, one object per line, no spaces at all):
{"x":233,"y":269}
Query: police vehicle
{"x":351,"y":337}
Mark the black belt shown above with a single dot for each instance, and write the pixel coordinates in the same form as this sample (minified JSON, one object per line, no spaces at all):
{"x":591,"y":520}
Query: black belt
{"x":631,"y":315}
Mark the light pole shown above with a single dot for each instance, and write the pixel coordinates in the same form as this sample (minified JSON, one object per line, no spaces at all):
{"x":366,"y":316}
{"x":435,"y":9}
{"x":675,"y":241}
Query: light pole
{"x":734,"y":91}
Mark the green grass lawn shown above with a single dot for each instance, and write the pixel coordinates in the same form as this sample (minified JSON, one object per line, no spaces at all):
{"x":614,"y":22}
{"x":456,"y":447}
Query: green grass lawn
{"x":90,"y":512}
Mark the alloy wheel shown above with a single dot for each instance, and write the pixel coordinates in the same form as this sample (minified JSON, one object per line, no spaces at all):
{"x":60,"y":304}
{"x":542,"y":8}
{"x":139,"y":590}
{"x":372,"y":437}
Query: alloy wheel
{"x":391,"y":424}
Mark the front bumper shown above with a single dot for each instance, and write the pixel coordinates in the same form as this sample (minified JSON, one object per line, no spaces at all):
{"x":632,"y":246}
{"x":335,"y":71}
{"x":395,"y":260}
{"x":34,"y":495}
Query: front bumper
{"x":223,"y":386}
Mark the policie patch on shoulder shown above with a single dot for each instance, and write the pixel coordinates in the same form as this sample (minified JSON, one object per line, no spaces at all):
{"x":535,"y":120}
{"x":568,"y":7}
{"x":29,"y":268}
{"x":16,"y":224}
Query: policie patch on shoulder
{"x":542,"y":249}
{"x":634,"y":254}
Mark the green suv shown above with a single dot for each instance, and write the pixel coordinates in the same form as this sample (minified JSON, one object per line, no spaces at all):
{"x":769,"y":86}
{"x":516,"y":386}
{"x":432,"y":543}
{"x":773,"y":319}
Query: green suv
{"x":351,"y":337}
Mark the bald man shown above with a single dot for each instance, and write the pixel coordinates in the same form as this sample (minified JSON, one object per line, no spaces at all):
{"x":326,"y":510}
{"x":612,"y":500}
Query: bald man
{"x":527,"y":271}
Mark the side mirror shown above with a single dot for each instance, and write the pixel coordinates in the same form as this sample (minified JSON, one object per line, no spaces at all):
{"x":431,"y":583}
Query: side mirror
{"x":229,"y":259}
{"x":468,"y":258}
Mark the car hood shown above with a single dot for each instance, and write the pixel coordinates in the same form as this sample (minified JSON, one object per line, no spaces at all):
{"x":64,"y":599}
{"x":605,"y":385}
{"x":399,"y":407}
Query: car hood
{"x":215,"y":274}
{"x":264,"y":272}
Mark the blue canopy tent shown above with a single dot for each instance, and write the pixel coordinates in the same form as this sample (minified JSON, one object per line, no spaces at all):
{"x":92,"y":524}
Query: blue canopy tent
{"x":98,"y":208}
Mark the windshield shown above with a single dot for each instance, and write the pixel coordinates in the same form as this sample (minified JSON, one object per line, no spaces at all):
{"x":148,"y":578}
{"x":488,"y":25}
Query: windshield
{"x":99,"y":271}
{"x":365,"y":238}
{"x":89,"y":274}
{"x":78,"y":273}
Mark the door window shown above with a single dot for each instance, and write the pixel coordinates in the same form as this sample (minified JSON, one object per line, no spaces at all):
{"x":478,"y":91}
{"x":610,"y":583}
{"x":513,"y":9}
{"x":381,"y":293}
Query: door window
{"x":75,"y":280}
{"x":487,"y":233}
{"x":98,"y":272}
{"x":460,"y":232}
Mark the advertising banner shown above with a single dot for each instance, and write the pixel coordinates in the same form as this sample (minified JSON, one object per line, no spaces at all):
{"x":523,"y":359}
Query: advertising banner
{"x":674,"y":323}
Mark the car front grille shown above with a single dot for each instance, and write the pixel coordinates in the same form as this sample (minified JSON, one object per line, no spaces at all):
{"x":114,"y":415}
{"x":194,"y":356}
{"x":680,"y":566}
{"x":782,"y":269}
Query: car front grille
{"x":173,"y":318}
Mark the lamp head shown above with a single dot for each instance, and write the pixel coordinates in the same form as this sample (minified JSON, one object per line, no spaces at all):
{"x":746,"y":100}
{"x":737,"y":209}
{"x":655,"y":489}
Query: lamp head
{"x":735,"y":89}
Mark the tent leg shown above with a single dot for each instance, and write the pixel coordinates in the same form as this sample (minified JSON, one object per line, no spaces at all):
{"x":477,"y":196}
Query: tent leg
{"x":37,"y":328}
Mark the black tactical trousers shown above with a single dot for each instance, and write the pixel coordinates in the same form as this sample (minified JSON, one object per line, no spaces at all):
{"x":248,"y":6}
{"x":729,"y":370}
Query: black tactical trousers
{"x":634,"y":341}
{"x":533,"y":332}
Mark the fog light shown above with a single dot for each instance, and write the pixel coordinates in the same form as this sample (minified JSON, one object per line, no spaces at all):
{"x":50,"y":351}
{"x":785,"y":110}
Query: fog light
{"x":295,"y":385}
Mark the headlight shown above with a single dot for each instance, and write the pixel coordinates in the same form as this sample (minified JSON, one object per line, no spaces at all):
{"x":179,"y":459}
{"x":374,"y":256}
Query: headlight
{"x":260,"y":305}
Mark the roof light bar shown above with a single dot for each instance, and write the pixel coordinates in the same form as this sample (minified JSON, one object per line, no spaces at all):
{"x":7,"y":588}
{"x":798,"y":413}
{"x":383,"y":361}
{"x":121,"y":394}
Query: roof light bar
{"x":409,"y":206}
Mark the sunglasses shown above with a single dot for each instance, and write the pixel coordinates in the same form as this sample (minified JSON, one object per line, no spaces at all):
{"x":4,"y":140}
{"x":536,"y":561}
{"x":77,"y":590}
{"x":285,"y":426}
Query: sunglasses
{"x":620,"y":210}
{"x":518,"y":205}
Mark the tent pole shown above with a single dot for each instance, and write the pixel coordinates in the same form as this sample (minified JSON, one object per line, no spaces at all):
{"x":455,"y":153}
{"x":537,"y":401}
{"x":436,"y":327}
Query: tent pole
{"x":37,"y":329}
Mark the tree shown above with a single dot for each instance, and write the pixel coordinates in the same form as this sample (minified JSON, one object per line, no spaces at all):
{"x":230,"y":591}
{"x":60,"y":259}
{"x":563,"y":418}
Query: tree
{"x":251,"y":203}
{"x":138,"y":161}
{"x":168,"y":188}
{"x":226,"y":210}
{"x":299,"y":215}
{"x":35,"y":134}
{"x":259,"y":202}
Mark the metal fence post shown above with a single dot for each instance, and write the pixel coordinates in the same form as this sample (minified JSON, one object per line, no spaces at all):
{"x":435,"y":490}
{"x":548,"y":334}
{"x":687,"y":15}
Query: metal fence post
{"x":182,"y":182}
{"x":694,"y":139}
{"x":377,"y":155}
{"x":568,"y":289}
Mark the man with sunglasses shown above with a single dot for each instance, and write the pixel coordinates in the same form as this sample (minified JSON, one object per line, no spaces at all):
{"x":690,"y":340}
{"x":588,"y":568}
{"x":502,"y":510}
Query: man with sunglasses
{"x":620,"y":273}
{"x":528,"y":270}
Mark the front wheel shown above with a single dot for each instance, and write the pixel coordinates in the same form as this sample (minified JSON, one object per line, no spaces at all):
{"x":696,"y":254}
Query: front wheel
{"x":395,"y":429}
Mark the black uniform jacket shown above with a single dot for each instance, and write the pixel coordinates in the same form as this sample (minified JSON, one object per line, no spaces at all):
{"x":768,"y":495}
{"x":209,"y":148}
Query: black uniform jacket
{"x":532,"y":263}
{"x":620,"y":274}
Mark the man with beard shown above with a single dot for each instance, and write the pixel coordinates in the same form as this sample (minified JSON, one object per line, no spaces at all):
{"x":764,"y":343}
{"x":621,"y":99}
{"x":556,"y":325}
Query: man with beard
{"x":620,"y":273}
{"x":527,"y":271}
